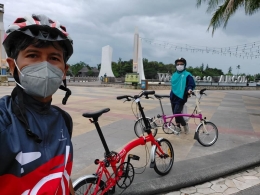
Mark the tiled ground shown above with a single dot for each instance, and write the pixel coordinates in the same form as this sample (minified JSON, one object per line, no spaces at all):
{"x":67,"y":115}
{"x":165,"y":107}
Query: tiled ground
{"x":224,"y":186}
{"x":236,"y":114}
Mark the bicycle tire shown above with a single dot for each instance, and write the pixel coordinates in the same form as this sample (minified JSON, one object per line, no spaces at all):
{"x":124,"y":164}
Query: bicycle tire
{"x":166,"y":162}
{"x":166,"y":128}
{"x":81,"y":187}
{"x":139,"y":127}
{"x":210,"y":138}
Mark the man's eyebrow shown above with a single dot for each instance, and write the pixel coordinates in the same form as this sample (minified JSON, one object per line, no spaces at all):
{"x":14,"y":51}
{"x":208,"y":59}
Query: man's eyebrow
{"x":56,"y":54}
{"x":31,"y":50}
{"x":37,"y":51}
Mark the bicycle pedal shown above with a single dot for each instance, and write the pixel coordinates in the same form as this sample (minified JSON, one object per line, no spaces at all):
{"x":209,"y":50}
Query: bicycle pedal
{"x":134,"y":157}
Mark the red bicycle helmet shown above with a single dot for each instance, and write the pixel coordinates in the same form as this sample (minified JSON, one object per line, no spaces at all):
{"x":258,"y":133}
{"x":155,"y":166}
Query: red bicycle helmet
{"x":40,"y":27}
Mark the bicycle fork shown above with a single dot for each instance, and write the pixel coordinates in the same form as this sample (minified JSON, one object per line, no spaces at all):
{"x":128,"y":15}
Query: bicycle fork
{"x":153,"y":153}
{"x":204,"y":130}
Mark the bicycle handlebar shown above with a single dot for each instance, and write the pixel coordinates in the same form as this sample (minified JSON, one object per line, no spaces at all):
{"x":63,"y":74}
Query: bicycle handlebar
{"x":144,"y":93}
{"x":124,"y":96}
{"x":148,"y":92}
{"x":201,"y":92}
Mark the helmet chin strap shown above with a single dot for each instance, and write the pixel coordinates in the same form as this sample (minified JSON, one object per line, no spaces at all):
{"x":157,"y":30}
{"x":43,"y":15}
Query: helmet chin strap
{"x":68,"y":92}
{"x":19,"y":109}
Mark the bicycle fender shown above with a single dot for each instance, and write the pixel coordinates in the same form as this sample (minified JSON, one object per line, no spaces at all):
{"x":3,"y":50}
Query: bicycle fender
{"x":83,"y":178}
{"x":196,"y":132}
{"x":153,"y":151}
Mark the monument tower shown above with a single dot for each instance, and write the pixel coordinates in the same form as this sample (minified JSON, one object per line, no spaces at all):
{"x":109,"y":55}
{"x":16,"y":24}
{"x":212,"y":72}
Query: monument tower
{"x":3,"y":64}
{"x":106,"y":62}
{"x":138,"y":56}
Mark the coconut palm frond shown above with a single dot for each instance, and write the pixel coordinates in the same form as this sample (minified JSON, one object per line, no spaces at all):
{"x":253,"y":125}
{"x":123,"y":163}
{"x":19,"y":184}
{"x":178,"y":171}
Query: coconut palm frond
{"x":213,"y":4}
{"x":199,"y":2}
{"x":223,"y":13}
{"x":231,"y":8}
{"x":224,"y":9}
{"x":252,"y":6}
{"x":217,"y":19}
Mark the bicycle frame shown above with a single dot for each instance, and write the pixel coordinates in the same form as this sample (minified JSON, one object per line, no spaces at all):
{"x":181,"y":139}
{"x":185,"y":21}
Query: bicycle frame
{"x":120,"y":158}
{"x":113,"y":158}
{"x":169,"y":118}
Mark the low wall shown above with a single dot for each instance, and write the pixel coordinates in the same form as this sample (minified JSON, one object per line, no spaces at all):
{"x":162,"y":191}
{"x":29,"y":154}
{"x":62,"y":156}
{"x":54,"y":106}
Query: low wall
{"x":155,"y":87}
{"x":211,"y":87}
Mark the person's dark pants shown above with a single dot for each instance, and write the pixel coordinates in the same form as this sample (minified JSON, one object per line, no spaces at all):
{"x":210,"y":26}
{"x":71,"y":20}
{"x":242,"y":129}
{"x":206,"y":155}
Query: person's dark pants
{"x":177,"y":109}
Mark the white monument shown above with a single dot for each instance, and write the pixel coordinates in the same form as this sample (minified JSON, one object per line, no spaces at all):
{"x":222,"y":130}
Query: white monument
{"x":138,"y":56}
{"x":140,"y":61}
{"x":135,"y":56}
{"x":106,"y":62}
{"x":3,"y":64}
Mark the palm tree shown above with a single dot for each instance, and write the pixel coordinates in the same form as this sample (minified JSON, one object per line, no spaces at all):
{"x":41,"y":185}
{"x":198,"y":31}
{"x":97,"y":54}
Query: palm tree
{"x":223,"y":9}
{"x":238,"y":67}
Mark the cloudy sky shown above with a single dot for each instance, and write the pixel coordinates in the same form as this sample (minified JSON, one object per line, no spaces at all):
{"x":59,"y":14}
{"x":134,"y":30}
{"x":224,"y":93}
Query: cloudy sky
{"x":96,"y":23}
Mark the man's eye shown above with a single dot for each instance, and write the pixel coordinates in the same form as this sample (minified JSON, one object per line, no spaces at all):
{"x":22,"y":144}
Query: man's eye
{"x":54,"y":58}
{"x":32,"y":55}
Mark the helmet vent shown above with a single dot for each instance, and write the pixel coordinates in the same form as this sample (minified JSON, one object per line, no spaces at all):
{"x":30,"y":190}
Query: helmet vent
{"x":63,"y":28}
{"x":35,"y":17}
{"x":20,"y":20}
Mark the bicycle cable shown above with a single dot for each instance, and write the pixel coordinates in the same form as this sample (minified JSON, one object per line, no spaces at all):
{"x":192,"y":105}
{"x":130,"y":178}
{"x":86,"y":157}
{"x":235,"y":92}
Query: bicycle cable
{"x":147,"y":160}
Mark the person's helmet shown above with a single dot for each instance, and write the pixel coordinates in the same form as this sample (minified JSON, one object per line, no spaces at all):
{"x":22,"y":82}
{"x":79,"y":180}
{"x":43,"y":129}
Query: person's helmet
{"x":181,"y":60}
{"x":40,"y":27}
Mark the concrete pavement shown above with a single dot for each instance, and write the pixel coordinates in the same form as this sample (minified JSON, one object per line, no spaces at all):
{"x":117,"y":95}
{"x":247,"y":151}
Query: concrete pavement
{"x":236,"y":114}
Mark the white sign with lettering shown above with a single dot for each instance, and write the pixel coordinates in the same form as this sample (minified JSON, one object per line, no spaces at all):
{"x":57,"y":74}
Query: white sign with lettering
{"x":223,"y":78}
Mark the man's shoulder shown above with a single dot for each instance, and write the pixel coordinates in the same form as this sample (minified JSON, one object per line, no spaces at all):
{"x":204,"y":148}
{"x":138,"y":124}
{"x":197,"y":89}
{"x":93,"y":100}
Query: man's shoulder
{"x":5,"y":101}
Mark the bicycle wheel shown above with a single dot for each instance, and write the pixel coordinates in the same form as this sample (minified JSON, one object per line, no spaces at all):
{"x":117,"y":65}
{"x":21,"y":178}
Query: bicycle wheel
{"x":168,"y":128}
{"x":209,"y":136}
{"x":139,"y":127}
{"x":87,"y":187}
{"x":163,"y":162}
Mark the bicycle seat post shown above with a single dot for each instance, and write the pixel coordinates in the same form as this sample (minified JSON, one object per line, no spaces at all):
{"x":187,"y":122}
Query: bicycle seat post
{"x":95,"y":121}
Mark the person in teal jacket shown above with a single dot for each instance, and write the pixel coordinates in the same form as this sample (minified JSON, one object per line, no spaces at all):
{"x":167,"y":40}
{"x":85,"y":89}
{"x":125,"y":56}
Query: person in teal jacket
{"x":182,"y":84}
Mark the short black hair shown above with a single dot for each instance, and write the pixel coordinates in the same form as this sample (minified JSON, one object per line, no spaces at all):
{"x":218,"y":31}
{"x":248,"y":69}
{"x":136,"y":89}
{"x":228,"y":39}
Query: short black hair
{"x":20,"y":43}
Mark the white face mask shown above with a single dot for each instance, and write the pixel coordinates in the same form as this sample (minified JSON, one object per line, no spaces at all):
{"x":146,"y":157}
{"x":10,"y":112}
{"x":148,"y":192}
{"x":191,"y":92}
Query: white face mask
{"x":41,"y":79}
{"x":180,"y":68}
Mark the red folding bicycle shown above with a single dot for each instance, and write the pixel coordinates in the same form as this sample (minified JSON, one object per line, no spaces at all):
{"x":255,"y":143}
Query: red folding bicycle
{"x":103,"y":181}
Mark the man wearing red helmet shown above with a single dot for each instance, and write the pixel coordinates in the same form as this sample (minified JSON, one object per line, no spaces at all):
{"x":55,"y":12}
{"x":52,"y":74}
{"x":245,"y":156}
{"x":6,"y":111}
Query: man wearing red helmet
{"x":182,"y":84}
{"x":35,"y":137}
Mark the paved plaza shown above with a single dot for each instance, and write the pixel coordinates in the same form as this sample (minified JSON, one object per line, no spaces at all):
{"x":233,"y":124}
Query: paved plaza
{"x":235,"y":113}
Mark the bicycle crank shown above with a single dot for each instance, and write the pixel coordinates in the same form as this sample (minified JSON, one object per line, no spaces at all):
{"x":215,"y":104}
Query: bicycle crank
{"x":126,"y":173}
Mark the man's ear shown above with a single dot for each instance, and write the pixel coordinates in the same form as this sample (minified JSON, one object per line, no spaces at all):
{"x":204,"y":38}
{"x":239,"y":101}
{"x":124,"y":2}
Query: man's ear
{"x":11,"y":64}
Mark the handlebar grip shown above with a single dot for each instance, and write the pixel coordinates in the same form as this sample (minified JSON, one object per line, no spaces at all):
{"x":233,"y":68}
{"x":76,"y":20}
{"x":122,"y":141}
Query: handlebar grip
{"x":202,"y":91}
{"x":122,"y":97}
{"x":148,"y":92}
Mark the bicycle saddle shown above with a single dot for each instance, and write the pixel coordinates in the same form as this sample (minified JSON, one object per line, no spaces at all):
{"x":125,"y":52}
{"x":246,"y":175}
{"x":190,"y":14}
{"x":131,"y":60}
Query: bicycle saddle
{"x":161,"y":96}
{"x":95,"y":114}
